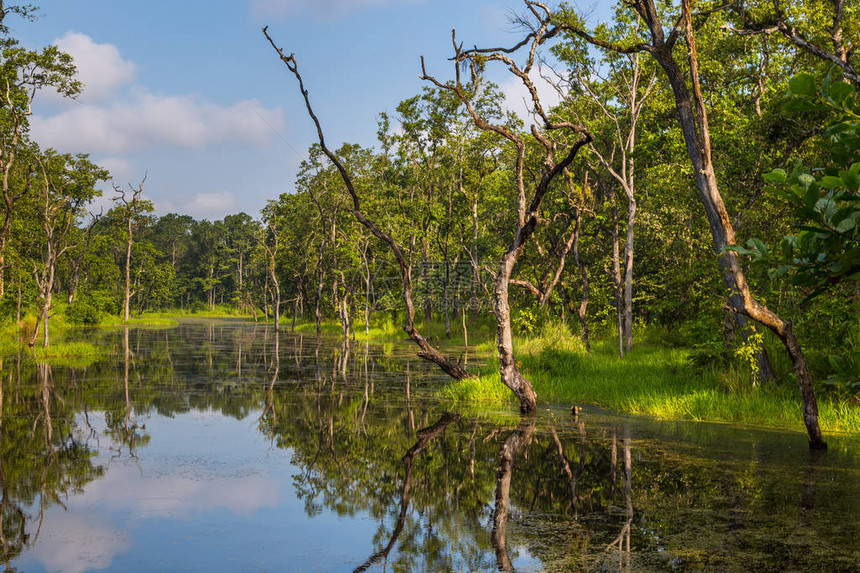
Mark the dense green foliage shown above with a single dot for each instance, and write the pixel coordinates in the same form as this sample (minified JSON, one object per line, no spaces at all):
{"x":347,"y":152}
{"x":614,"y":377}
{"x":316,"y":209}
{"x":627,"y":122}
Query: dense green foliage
{"x":784,"y":133}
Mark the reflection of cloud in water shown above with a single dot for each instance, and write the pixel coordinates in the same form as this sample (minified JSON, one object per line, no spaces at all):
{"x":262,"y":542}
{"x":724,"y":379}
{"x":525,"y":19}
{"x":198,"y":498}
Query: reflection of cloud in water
{"x":74,"y":542}
{"x":82,"y":538}
{"x":169,"y":495}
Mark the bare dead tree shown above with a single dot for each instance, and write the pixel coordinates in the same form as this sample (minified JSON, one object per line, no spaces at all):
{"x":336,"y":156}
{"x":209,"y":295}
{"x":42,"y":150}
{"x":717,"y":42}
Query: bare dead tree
{"x":132,"y":207}
{"x":427,"y":351}
{"x":528,"y":202}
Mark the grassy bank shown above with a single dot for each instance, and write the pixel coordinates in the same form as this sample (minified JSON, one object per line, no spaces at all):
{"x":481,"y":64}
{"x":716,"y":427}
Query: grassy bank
{"x":479,"y":333}
{"x":652,"y":380}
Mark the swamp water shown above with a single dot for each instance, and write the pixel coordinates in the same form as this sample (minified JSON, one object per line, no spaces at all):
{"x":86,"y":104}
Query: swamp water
{"x":217,"y":446}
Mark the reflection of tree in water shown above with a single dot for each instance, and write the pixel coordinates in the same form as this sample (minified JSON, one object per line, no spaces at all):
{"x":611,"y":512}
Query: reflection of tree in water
{"x":514,"y":444}
{"x":44,"y":456}
{"x":424,"y":438}
{"x":582,"y":493}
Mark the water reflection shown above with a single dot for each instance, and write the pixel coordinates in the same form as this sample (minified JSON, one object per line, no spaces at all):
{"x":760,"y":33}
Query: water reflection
{"x":238,"y":445}
{"x":425,"y":436}
{"x":513,"y":445}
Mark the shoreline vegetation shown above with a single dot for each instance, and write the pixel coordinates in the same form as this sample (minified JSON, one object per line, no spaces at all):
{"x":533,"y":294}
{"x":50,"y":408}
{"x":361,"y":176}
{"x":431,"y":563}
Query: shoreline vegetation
{"x":656,"y":379}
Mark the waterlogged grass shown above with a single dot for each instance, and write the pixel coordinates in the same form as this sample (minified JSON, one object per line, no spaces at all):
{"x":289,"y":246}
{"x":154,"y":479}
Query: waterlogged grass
{"x":68,"y":353}
{"x":147,"y":319}
{"x":651,"y":380}
{"x":480,"y":333}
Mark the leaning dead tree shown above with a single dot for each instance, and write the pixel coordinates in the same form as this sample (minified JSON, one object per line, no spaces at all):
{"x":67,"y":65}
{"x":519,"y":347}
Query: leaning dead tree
{"x":427,"y":350}
{"x":693,"y":120}
{"x":550,"y":137}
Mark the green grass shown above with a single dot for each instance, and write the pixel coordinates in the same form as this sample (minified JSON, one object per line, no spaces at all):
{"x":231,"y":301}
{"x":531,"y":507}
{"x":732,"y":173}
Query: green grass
{"x":147,"y":319}
{"x":481,"y":332}
{"x":651,"y":380}
{"x":168,"y":317}
{"x":67,"y":354}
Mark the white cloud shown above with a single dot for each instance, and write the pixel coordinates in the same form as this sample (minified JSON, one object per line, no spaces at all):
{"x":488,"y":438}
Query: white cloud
{"x":101,"y":68}
{"x":148,"y":120}
{"x":120,"y":168}
{"x":291,"y":8}
{"x":209,"y":205}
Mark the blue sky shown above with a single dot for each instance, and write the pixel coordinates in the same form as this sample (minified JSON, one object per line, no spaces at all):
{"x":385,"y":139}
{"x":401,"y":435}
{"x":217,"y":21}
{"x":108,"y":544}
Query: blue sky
{"x":191,"y":94}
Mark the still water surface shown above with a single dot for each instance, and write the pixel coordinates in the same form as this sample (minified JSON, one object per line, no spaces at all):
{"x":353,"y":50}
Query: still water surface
{"x":218,"y":446}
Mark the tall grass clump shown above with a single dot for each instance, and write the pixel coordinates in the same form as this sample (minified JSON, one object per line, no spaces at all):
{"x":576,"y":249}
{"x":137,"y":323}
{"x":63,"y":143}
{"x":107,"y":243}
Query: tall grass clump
{"x":654,"y":380}
{"x":63,"y":351}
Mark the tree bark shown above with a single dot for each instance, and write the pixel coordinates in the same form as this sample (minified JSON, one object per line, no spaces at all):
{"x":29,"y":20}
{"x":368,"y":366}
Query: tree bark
{"x":628,"y":274}
{"x":616,"y":273}
{"x":528,"y":210}
{"x":697,"y":139}
{"x":582,"y":311}
{"x":127,"y":291}
{"x":318,"y":300}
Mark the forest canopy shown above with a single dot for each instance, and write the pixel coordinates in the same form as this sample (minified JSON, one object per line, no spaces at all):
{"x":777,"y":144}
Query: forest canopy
{"x":699,"y":177}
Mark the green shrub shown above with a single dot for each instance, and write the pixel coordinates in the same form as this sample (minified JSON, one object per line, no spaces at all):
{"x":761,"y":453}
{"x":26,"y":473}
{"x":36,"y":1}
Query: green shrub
{"x":83,"y":311}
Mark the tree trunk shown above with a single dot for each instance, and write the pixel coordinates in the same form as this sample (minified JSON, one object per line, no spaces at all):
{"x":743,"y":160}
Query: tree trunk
{"x":295,"y":305}
{"x":46,"y":309}
{"x":318,"y":301}
{"x":425,"y":268}
{"x":583,"y":273}
{"x":616,"y":274}
{"x":428,"y":352}
{"x":276,"y":304}
{"x":18,"y":307}
{"x":126,"y":311}
{"x":508,"y":370}
{"x":628,"y":275}
{"x":476,"y":272}
{"x":697,"y":140}
{"x":266,"y":298}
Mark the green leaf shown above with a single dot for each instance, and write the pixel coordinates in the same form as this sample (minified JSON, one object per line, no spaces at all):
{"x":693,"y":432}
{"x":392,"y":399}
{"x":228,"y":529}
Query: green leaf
{"x":738,"y":249}
{"x":805,"y":180}
{"x":776,"y":177}
{"x":830,"y":182}
{"x":852,"y":180}
{"x":811,"y":197}
{"x":839,"y":91}
{"x":799,"y":105}
{"x":803,"y":85}
{"x":759,"y":247}
{"x":846,"y":225}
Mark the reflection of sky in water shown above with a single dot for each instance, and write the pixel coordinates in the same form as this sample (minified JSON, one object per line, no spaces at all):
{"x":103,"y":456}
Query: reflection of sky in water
{"x":209,"y":493}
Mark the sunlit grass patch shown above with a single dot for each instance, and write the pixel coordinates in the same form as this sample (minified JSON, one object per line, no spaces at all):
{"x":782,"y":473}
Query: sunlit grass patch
{"x":154,"y":319}
{"x":651,"y":380}
{"x":67,"y":353}
{"x":485,"y":388}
